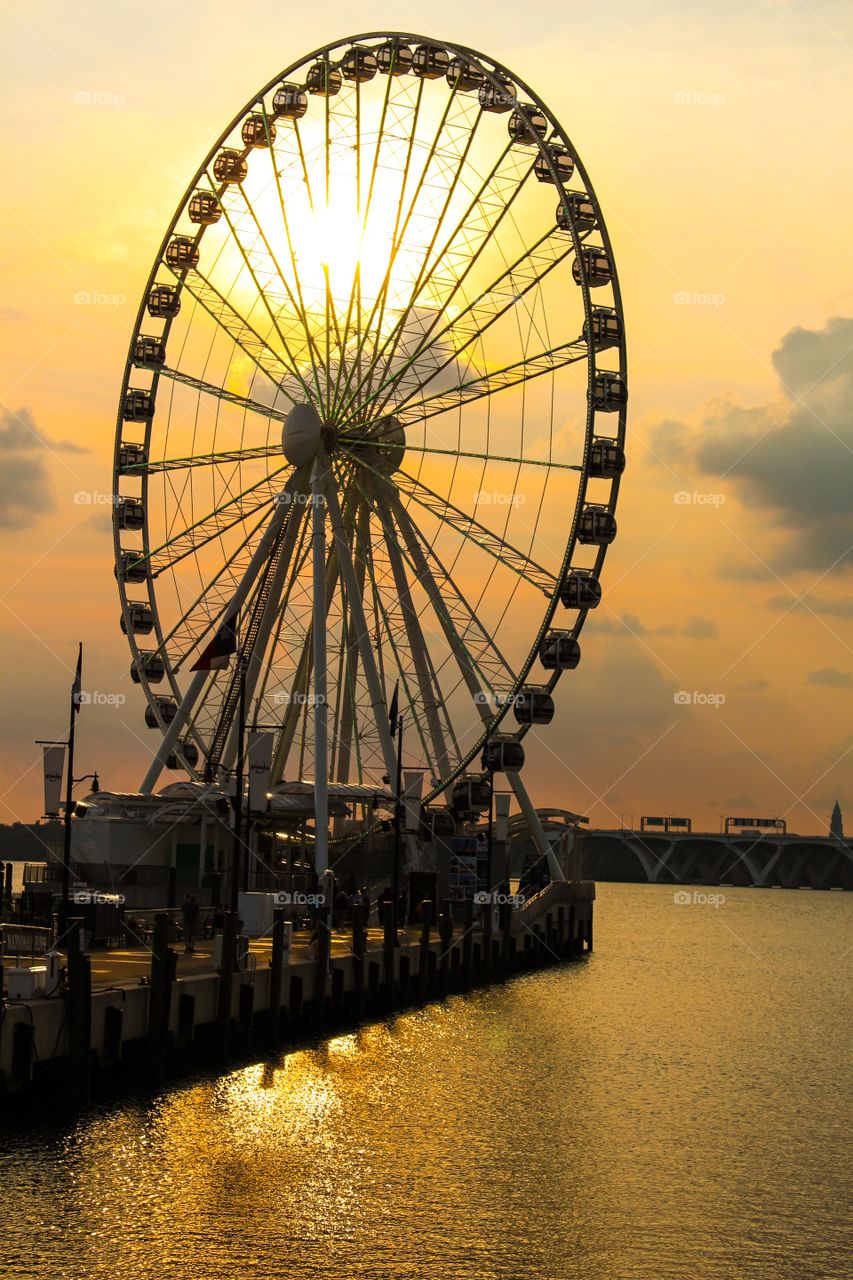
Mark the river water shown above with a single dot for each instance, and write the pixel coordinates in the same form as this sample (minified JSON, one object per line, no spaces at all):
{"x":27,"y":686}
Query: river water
{"x":676,"y":1107}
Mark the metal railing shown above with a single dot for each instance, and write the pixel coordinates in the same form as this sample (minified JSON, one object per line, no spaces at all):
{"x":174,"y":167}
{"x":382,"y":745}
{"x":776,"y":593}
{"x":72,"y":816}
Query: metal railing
{"x":25,"y":940}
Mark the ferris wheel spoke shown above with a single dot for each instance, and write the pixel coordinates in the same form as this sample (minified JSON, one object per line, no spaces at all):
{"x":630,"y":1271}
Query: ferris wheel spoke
{"x":222,"y":393}
{"x":299,"y":561}
{"x":254,"y":264}
{"x":354,"y":307}
{"x":458,"y":142}
{"x":191,"y":698}
{"x":378,"y":307}
{"x":444,"y":346}
{"x":410,"y":691}
{"x":452,"y":266}
{"x":238,"y":507}
{"x":447,"y":513}
{"x":348,"y":667}
{"x":368,"y":660}
{"x":224,"y":458}
{"x":454,"y":157}
{"x":297,"y":699}
{"x":412,"y":411}
{"x":484,"y":672}
{"x":427,"y":682}
{"x":208,"y":607}
{"x":378,"y":443}
{"x":241,"y":333}
{"x":257,"y":627}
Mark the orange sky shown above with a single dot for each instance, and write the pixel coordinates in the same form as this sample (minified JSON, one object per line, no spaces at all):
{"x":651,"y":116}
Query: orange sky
{"x":716,"y":137}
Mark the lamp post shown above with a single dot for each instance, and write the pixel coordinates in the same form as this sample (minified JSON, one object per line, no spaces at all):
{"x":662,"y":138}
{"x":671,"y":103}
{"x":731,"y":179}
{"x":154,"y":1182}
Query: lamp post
{"x":398,"y":821}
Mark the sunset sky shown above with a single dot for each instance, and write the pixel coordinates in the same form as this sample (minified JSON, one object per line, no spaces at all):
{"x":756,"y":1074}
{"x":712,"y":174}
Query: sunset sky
{"x":717,"y":137}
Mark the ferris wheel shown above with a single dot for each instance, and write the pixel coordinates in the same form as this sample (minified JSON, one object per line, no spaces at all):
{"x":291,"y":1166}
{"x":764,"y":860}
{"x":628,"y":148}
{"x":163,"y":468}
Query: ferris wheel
{"x":388,"y":297}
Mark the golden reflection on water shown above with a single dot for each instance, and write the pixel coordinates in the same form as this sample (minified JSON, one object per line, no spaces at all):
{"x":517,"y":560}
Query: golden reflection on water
{"x":668,"y":1110}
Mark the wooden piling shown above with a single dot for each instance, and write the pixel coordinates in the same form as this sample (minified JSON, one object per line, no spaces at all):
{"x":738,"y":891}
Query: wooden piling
{"x":186,"y":1019}
{"x":445,"y":933}
{"x":424,"y":951}
{"x":506,"y":936}
{"x":294,"y":1004}
{"x":358,"y":959}
{"x":389,"y":952}
{"x":113,"y":1035}
{"x":276,"y":977}
{"x":23,"y":1054}
{"x":404,"y":977}
{"x":321,"y":973}
{"x":79,"y":1015}
{"x":467,"y":940}
{"x":163,"y":968}
{"x":224,"y":997}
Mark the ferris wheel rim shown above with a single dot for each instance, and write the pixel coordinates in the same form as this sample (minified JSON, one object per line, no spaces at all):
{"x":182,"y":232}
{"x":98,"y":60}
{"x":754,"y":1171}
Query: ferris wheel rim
{"x":496,"y":70}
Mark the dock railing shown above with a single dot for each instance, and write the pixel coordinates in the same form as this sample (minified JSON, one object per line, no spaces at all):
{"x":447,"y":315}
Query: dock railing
{"x":27,"y":940}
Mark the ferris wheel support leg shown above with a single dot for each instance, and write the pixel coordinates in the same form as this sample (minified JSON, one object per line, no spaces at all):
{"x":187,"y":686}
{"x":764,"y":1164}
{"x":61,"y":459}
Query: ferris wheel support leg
{"x":321,"y":712}
{"x":187,"y":703}
{"x":368,"y":661}
{"x":429,"y":695}
{"x":270,"y":613}
{"x":537,"y":831}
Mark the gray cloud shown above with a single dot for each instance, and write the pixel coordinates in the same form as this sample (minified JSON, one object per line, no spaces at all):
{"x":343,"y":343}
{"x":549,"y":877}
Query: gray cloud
{"x":628,"y":624}
{"x":25,"y":492}
{"x":832,"y":678}
{"x":841,"y":607}
{"x":794,"y":460}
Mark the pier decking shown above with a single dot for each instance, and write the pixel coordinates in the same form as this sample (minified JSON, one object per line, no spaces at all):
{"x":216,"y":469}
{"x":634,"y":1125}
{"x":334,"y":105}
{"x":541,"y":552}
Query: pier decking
{"x":140,"y":1013}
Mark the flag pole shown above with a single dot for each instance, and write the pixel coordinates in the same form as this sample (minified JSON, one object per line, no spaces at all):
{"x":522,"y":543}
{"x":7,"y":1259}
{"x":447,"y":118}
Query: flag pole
{"x":69,"y":802}
{"x":398,"y":823}
{"x":238,"y":792}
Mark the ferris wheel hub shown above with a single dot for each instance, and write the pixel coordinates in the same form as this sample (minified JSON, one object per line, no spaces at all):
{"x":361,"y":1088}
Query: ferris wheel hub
{"x":301,"y":435}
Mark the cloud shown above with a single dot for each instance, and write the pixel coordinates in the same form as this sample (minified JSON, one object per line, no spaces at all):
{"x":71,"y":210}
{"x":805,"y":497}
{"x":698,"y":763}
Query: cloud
{"x":628,"y":624}
{"x":753,"y":686}
{"x":841,"y":607}
{"x":832,"y":678}
{"x":25,"y":492}
{"x":791,"y":461}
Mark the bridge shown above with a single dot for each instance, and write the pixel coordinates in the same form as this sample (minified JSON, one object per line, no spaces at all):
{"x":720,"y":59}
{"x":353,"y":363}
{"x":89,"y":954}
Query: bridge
{"x":765,"y":859}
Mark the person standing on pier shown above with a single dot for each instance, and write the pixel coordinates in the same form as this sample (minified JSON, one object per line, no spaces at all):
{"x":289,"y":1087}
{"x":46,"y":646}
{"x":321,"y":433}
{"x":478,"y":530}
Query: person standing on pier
{"x":189,"y":911}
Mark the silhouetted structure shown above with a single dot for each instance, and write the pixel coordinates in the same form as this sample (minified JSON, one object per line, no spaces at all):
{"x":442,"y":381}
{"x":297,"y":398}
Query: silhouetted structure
{"x":836,"y":823}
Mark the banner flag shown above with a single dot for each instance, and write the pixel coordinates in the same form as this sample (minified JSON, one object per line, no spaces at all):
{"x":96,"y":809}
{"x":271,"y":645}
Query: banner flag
{"x":260,"y":764}
{"x":54,"y":767}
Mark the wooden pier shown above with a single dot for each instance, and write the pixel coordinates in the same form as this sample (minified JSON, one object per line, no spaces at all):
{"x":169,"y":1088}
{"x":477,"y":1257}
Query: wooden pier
{"x":143,"y":1030}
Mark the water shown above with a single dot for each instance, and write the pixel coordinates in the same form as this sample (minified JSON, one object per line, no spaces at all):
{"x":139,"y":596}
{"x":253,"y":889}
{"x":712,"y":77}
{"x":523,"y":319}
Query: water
{"x":675,"y":1108}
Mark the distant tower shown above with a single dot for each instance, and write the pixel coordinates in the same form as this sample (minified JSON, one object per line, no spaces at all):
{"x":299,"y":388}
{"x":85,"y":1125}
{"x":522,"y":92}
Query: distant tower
{"x":836,"y":823}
